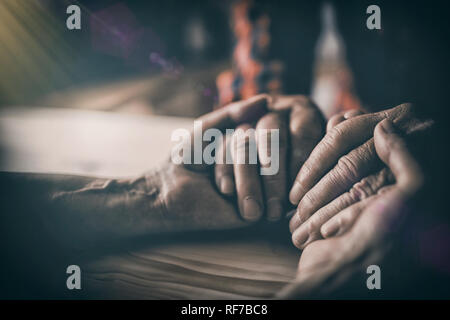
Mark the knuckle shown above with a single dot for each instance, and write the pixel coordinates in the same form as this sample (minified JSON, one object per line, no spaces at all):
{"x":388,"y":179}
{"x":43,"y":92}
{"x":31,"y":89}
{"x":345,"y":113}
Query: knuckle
{"x":353,"y":195}
{"x":334,"y":119}
{"x":270,"y":121}
{"x":325,"y":145}
{"x":305,"y":172}
{"x":312,"y":227}
{"x":306,"y":205}
{"x":364,"y":189}
{"x":368,"y":151}
{"x":331,"y":139}
{"x":335,"y":134}
{"x":347,"y":167}
{"x":340,"y":221}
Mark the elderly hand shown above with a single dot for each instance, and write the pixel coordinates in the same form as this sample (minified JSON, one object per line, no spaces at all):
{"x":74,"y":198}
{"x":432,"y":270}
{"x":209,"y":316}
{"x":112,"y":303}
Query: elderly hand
{"x":188,"y":194}
{"x":300,"y":126}
{"x":342,"y":170}
{"x":326,"y":264}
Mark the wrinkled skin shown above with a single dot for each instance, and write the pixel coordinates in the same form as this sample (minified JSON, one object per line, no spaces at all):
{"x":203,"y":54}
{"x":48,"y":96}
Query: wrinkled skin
{"x":342,"y":170}
{"x":176,"y":197}
{"x":188,"y":195}
{"x":327,"y":264}
{"x":191,"y":202}
{"x":301,"y":126}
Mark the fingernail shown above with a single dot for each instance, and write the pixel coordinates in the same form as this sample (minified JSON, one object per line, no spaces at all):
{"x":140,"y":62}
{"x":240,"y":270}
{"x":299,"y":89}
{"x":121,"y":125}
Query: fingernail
{"x":274,"y":209}
{"x":299,"y":238}
{"x":252,"y":210}
{"x":226,"y":185}
{"x":387,"y":126}
{"x":329,"y":230}
{"x":296,"y":193}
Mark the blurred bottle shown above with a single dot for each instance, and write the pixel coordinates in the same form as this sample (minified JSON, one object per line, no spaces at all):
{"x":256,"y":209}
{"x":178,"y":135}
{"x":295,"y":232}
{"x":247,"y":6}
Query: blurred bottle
{"x":253,"y":70}
{"x":333,"y":80}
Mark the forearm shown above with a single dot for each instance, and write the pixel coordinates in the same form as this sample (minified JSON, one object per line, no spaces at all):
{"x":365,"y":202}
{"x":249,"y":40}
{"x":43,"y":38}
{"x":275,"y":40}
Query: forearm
{"x":78,"y":212}
{"x":49,"y":222}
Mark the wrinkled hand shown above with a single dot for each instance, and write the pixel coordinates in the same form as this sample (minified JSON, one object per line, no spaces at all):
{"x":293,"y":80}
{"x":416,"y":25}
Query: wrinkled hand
{"x":326,"y":264}
{"x":189,"y":196}
{"x":300,"y":126}
{"x":342,"y":170}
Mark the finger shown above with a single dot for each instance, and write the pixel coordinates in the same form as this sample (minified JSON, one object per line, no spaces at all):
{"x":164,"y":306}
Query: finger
{"x":379,"y":217}
{"x":306,"y":128}
{"x":339,"y":141}
{"x":344,"y":220}
{"x":286,"y":102}
{"x":334,"y":121}
{"x":392,"y":150}
{"x":342,"y":116}
{"x":350,"y":169}
{"x":311,"y":230}
{"x":246,"y":173}
{"x":352,"y":113}
{"x":384,"y":213}
{"x":271,"y":133}
{"x":223,"y":170}
{"x":306,"y":125}
{"x":230,"y":116}
{"x":210,"y":127}
{"x":361,"y":190}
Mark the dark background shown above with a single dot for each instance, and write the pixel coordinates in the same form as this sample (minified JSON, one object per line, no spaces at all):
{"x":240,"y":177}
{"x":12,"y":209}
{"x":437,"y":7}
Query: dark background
{"x":405,"y":61}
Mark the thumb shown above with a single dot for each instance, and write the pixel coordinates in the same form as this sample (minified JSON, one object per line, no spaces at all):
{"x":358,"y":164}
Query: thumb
{"x":236,"y":113}
{"x":392,"y":150}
